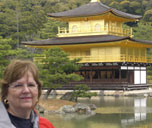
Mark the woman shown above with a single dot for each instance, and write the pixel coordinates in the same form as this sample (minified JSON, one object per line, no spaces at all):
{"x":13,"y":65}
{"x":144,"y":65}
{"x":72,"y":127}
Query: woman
{"x":20,"y":92}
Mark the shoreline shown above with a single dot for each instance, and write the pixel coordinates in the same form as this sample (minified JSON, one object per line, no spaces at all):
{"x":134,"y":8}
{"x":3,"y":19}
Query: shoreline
{"x":53,"y":105}
{"x":145,"y":92}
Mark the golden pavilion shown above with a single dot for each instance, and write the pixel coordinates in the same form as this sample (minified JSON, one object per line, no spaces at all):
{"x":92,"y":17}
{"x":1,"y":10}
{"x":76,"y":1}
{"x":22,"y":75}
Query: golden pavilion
{"x":111,"y":58}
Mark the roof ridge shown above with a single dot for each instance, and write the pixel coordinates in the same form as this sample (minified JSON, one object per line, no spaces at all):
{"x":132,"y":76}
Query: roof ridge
{"x":103,"y":5}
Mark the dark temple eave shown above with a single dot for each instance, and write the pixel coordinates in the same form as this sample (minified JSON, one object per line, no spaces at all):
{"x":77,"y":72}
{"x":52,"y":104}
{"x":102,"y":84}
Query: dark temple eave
{"x":83,"y":40}
{"x":92,"y":9}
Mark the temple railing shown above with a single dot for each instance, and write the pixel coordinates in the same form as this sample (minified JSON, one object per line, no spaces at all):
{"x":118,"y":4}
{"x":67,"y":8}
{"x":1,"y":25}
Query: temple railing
{"x":107,"y":58}
{"x":112,"y":30}
{"x":113,"y":58}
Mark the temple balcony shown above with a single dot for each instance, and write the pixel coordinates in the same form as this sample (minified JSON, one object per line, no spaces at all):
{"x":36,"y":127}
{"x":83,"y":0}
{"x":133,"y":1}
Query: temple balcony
{"x":113,"y":58}
{"x":107,"y":58}
{"x":111,"y":30}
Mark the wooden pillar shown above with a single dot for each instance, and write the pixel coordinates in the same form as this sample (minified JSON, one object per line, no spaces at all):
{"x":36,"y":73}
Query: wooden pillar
{"x":90,"y":74}
{"x":119,"y":74}
{"x":128,"y":75}
{"x":112,"y":74}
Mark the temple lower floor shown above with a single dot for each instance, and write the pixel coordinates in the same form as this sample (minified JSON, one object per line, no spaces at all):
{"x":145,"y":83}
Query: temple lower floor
{"x":112,"y":77}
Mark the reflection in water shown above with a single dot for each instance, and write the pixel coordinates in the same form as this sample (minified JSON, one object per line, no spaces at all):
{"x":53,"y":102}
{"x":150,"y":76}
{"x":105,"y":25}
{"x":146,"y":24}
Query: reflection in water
{"x":98,"y":121}
{"x":140,"y":109}
{"x":137,"y":114}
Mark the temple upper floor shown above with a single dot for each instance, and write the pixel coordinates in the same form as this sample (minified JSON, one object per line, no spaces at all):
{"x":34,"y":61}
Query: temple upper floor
{"x":94,"y":18}
{"x":95,"y":27}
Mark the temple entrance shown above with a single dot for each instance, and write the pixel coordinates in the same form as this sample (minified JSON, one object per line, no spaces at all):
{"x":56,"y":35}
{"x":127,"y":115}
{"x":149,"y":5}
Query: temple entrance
{"x":131,"y":77}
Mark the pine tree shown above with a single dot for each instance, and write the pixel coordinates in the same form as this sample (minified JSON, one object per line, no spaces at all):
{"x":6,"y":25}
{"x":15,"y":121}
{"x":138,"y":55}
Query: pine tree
{"x":56,"y":69}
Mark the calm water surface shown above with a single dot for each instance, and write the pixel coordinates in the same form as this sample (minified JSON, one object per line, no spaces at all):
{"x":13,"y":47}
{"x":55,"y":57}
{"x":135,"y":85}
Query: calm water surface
{"x":137,"y":113}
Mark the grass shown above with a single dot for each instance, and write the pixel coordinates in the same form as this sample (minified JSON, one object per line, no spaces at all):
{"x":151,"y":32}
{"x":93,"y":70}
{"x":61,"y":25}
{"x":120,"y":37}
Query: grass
{"x":114,"y":110}
{"x":54,"y":104}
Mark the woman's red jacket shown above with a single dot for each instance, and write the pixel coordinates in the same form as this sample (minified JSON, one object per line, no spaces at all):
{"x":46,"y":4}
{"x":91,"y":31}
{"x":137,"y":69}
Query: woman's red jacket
{"x":44,"y":123}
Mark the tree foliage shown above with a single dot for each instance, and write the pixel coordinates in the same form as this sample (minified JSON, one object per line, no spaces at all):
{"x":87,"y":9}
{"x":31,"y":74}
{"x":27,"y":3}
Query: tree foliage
{"x":82,"y":90}
{"x":21,"y":19}
{"x":143,"y":30}
{"x":56,"y":69}
{"x":26,"y":20}
{"x":6,"y":53}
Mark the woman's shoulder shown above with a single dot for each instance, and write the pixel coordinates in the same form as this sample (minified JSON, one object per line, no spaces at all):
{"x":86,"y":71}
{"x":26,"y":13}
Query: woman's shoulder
{"x":44,"y":123}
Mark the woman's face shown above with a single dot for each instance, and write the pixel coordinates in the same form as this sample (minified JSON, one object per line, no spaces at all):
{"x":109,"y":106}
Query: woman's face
{"x":23,"y":93}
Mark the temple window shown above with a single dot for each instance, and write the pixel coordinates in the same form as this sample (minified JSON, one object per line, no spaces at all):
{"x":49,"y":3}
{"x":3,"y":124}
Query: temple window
{"x":116,"y":74}
{"x":74,"y":29}
{"x":109,"y":74}
{"x":106,"y":25}
{"x":124,"y":74}
{"x":87,"y":53}
{"x":97,"y":28}
{"x":103,"y":74}
{"x":96,"y":75}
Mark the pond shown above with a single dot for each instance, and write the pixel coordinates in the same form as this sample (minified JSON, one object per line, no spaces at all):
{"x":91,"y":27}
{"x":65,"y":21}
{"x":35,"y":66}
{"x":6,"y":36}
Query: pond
{"x":112,"y":112}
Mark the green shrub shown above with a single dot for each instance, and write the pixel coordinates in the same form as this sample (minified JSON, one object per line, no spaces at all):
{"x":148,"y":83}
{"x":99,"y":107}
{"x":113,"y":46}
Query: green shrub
{"x":82,"y":90}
